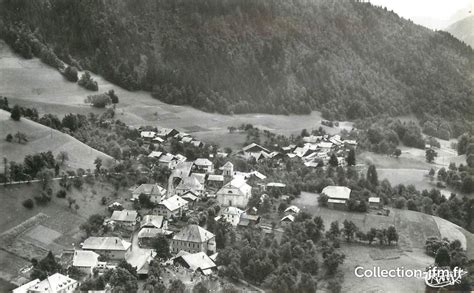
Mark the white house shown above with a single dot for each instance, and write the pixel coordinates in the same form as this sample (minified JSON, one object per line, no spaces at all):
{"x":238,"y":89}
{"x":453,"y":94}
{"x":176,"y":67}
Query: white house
{"x":231,"y":215}
{"x":204,"y":165}
{"x":125,"y":218}
{"x":173,"y":206}
{"x":236,"y":193}
{"x":154,"y":191}
{"x":56,"y":283}
{"x":85,"y":260}
{"x":193,"y":238}
{"x":337,"y":196}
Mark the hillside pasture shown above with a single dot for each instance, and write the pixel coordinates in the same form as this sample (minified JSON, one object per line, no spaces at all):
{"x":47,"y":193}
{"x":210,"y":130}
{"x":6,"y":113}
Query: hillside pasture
{"x":33,"y":84}
{"x":43,"y":139}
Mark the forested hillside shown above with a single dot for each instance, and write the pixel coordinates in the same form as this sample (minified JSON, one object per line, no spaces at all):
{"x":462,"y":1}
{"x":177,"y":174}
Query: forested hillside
{"x":346,"y":58}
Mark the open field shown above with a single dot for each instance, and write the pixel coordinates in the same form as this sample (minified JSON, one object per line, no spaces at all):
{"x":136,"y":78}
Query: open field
{"x":413,"y":228}
{"x":42,"y":139}
{"x":32,"y":233}
{"x":32,"y":83}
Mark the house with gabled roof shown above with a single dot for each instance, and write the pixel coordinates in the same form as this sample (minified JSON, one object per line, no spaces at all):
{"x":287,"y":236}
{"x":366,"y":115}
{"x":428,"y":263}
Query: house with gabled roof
{"x":190,"y":183}
{"x":172,"y":207}
{"x":337,"y":196}
{"x":192,"y":239}
{"x":125,"y":218}
{"x":203,"y":165}
{"x":85,"y":260}
{"x":199,"y":261}
{"x":231,"y":215}
{"x":154,"y":191}
{"x":255,"y":151}
{"x":235,"y":193}
{"x":111,"y":247}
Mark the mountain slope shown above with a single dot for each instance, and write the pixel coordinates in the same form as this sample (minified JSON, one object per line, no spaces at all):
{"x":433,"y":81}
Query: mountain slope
{"x":463,"y":30}
{"x":43,"y":139}
{"x":346,"y":58}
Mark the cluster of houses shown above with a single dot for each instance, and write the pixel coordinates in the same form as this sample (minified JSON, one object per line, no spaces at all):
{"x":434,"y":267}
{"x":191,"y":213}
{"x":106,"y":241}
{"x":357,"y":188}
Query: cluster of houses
{"x":314,"y":151}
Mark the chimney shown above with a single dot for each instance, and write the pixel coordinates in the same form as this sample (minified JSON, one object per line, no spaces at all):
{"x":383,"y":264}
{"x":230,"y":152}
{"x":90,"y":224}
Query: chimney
{"x":116,"y":241}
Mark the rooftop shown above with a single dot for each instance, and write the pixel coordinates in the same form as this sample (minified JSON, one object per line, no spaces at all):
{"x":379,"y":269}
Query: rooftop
{"x":193,"y":233}
{"x":337,"y":192}
{"x":85,"y":258}
{"x":124,"y":216}
{"x":105,"y":243}
{"x":173,"y":203}
{"x":152,"y":221}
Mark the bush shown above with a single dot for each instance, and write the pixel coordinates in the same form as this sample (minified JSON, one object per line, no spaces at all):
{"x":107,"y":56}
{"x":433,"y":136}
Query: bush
{"x":28,"y":203}
{"x":87,"y":82}
{"x":99,"y":101}
{"x":9,"y":137}
{"x":71,"y":73}
{"x":61,"y":193}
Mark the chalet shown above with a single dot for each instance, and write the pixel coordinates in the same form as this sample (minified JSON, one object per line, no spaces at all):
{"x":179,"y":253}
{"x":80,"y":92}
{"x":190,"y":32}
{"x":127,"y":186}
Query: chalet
{"x":190,"y":183}
{"x":147,"y":135}
{"x":192,"y":239}
{"x":374,"y":203}
{"x":216,"y":181}
{"x":190,"y":197}
{"x":287,"y":220}
{"x":166,"y":132}
{"x":187,"y":139}
{"x":325,"y":146}
{"x":172,"y":207}
{"x":85,"y":260}
{"x":204,"y":165}
{"x":111,"y":247}
{"x":181,"y":171}
{"x":235,"y":193}
{"x":231,"y":215}
{"x":168,"y":160}
{"x":199,"y":261}
{"x":154,"y":191}
{"x":154,"y":221}
{"x":255,"y":151}
{"x":125,"y":218}
{"x":337,"y":196}
{"x":56,"y":283}
{"x":155,"y":154}
{"x":201,"y":177}
{"x":197,"y":143}
{"x":294,"y":210}
{"x":147,"y":235}
{"x":248,"y":220}
{"x":158,"y":140}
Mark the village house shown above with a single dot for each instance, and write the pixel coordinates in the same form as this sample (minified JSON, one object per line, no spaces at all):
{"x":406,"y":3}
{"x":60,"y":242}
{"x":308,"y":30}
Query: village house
{"x":147,"y":135}
{"x":125,"y":218}
{"x":155,"y":154}
{"x":85,"y":261}
{"x":337,"y":196}
{"x":231,"y":215}
{"x":215,"y":181}
{"x":287,"y":220}
{"x":154,"y":221}
{"x":147,"y":235}
{"x":192,"y":239}
{"x":172,"y":207}
{"x":56,"y":283}
{"x":154,"y":191}
{"x":255,"y":151}
{"x":375,"y":203}
{"x":166,"y":132}
{"x":110,"y":247}
{"x":236,"y":193}
{"x":203,"y":165}
{"x":190,"y":197}
{"x":293,"y":210}
{"x":248,"y":220}
{"x":190,"y":183}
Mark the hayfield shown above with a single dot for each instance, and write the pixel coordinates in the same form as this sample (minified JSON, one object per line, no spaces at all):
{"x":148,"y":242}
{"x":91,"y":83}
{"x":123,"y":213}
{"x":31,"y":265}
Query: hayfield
{"x":42,"y":139}
{"x":31,"y":83}
{"x":413,"y":228}
{"x":25,"y":234}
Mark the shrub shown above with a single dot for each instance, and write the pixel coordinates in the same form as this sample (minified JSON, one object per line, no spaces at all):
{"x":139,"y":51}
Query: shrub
{"x":99,"y":101}
{"x":87,"y":82}
{"x":9,"y":137}
{"x":28,"y":203}
{"x":61,"y":193}
{"x":71,"y":73}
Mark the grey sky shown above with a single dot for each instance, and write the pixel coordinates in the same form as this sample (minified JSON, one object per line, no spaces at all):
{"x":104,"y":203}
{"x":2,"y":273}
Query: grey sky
{"x":435,"y":14}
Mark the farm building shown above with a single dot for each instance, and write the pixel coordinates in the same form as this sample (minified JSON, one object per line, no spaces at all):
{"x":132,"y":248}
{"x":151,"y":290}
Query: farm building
{"x":337,"y":196}
{"x":236,"y":193}
{"x":154,"y":191}
{"x":112,"y":247}
{"x":199,"y":261}
{"x":193,"y":238}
